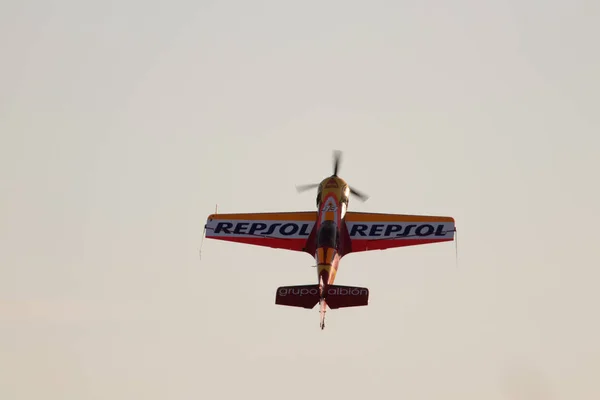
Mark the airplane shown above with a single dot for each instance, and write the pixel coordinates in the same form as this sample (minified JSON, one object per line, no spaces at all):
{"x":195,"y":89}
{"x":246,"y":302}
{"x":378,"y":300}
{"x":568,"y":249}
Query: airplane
{"x":328,"y":234}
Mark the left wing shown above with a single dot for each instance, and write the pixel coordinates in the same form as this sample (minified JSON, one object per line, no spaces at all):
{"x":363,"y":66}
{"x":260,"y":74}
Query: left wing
{"x":374,"y":231}
{"x":283,"y":230}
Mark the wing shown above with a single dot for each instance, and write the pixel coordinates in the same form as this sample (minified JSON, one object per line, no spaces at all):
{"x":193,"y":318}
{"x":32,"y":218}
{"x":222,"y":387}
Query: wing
{"x":374,"y":231}
{"x":284,"y":230}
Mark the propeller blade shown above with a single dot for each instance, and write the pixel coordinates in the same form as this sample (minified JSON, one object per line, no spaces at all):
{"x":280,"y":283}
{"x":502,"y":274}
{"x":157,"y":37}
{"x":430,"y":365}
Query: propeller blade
{"x":361,"y":196}
{"x":337,"y":157}
{"x":304,"y":188}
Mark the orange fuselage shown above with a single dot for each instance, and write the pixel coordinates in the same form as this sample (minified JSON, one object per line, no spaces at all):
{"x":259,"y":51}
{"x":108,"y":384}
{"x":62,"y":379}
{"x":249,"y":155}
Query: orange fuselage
{"x":332,"y":203}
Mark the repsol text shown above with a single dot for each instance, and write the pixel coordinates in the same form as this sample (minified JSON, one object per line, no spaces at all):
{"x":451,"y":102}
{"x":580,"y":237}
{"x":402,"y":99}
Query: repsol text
{"x":397,"y":230}
{"x":264,"y":228}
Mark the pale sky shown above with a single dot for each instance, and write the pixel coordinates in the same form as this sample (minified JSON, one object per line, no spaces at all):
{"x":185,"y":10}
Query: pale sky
{"x":122,"y":124}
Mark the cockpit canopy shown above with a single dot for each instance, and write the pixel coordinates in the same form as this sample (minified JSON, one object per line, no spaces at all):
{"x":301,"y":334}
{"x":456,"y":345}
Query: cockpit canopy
{"x":328,"y":235}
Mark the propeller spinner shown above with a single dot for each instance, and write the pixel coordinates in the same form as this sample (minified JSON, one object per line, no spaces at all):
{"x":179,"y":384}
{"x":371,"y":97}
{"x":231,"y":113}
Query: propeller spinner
{"x":337,"y":157}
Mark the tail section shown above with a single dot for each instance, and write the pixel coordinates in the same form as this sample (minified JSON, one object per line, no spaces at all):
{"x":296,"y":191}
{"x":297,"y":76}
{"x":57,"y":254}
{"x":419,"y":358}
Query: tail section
{"x":305,"y":296}
{"x":336,"y":296}
{"x":346,"y":296}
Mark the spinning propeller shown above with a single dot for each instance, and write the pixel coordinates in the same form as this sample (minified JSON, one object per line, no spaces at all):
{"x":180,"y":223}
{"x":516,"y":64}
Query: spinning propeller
{"x":337,"y":156}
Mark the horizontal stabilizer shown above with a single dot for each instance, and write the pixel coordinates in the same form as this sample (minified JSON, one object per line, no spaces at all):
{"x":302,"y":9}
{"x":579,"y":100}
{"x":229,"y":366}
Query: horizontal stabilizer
{"x":305,"y":296}
{"x":346,"y":296}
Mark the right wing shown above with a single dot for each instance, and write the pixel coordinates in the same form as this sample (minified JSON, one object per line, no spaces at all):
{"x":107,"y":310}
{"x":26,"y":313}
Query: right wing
{"x":283,"y":230}
{"x":374,"y":231}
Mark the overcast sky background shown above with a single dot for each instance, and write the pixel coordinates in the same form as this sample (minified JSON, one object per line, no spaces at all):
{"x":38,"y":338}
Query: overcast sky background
{"x":122,"y":124}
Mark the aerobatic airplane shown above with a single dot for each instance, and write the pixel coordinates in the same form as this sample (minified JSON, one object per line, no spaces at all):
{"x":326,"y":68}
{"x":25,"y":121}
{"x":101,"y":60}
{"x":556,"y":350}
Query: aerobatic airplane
{"x":329,"y":234}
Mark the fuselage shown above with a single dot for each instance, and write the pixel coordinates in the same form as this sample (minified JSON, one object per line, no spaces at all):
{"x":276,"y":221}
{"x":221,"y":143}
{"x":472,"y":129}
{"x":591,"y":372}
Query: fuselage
{"x":332,"y":203}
